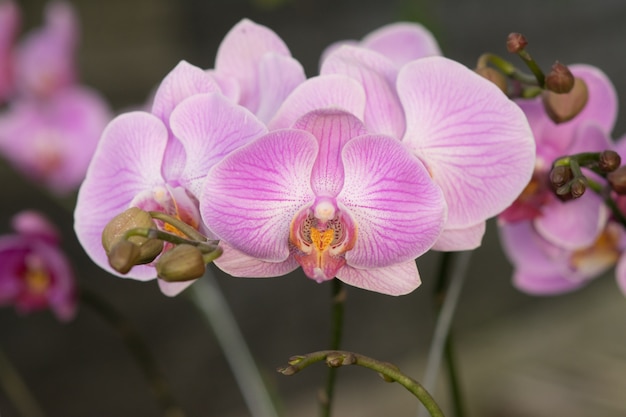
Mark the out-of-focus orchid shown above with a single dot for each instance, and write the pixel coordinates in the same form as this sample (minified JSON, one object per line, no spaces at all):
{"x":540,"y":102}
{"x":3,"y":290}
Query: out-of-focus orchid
{"x":475,"y":143}
{"x":158,"y":161}
{"x":9,"y":27}
{"x":45,"y":58}
{"x":541,"y":268}
{"x":255,"y":69}
{"x":35,"y":272}
{"x":330,"y":197}
{"x":576,"y":224}
{"x":52,"y":141}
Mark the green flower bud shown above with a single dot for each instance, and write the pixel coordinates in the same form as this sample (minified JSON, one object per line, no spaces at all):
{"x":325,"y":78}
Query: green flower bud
{"x":181,"y":263}
{"x":130,"y":219}
{"x":564,"y":107}
{"x":123,"y":256}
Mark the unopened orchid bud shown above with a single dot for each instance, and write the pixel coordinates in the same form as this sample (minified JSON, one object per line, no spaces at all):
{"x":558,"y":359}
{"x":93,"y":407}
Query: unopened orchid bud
{"x":123,"y":256}
{"x":560,"y":79}
{"x":560,"y":175}
{"x":617,"y":180}
{"x":578,"y":187}
{"x":181,"y":263}
{"x":515,"y":42}
{"x":609,"y":161}
{"x":564,"y":107}
{"x":494,"y":76}
{"x":130,"y":219}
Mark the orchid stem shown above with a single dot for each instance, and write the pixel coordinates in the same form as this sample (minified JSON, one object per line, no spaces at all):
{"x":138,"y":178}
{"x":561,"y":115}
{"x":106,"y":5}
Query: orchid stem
{"x":209,"y":300}
{"x":338,"y":301}
{"x":447,"y":293}
{"x":16,"y":389}
{"x":139,"y":350}
{"x":507,"y":68}
{"x":389,"y":372}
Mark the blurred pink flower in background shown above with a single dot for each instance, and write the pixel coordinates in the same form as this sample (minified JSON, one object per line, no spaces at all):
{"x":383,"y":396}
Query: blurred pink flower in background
{"x":9,"y":28}
{"x":35,"y":272}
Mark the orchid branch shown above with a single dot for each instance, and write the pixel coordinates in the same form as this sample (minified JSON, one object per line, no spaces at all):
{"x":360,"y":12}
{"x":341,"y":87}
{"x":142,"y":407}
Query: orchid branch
{"x":389,"y":372}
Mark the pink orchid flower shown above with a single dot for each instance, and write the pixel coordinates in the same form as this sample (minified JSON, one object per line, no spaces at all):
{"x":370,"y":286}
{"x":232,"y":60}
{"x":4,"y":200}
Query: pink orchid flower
{"x":328,"y":196}
{"x":573,"y":224}
{"x":158,"y":161}
{"x":45,"y":58}
{"x":35,"y":272}
{"x":52,"y":141}
{"x":254,"y":68}
{"x":475,"y":143}
{"x":9,"y":28}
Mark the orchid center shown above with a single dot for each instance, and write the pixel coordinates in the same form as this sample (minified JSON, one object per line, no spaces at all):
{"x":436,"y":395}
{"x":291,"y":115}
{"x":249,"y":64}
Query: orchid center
{"x":601,"y":255}
{"x":36,"y":276}
{"x":320,"y":236}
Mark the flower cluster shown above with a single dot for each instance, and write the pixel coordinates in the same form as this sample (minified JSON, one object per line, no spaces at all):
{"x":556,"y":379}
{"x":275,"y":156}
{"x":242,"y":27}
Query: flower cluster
{"x":51,"y":125}
{"x":557,"y":234}
{"x":392,"y":150}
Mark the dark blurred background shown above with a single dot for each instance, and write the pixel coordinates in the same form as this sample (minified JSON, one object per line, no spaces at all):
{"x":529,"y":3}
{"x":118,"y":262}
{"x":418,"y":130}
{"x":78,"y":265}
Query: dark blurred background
{"x":518,"y":355}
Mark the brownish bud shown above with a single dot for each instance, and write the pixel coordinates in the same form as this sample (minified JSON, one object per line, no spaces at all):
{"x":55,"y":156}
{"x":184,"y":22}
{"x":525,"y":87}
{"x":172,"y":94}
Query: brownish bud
{"x":560,"y":175}
{"x":617,"y":179}
{"x":609,"y":161}
{"x":564,"y":107}
{"x":123,"y":256}
{"x":560,"y":79}
{"x":181,"y":263}
{"x":578,"y":187}
{"x":334,"y":359}
{"x":515,"y":42}
{"x":494,"y":76}
{"x":288,"y":370}
{"x":130,"y":219}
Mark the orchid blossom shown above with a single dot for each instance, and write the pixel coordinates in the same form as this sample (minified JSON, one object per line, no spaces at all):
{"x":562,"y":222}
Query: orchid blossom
{"x":576,"y":224}
{"x":254,"y":68}
{"x":35,"y":272}
{"x":157,"y":161}
{"x":9,"y":27}
{"x":327,"y":196}
{"x":475,"y":143}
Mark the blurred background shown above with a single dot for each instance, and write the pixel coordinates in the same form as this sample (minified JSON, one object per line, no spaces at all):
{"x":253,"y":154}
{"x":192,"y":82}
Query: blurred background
{"x":518,"y":356}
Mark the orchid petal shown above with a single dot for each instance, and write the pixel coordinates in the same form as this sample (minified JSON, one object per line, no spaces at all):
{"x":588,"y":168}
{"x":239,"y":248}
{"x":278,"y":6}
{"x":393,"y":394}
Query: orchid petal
{"x":402,"y":42}
{"x":210,"y":127}
{"x":240,"y":53}
{"x":333,"y":129}
{"x":185,"y":80}
{"x":544,"y":283}
{"x":377,"y":74}
{"x":279,"y":75}
{"x":9,"y":28}
{"x":238,"y":264}
{"x":601,"y":104}
{"x":590,"y":137}
{"x":620,"y":273}
{"x":228,"y":85}
{"x":329,"y":91}
{"x":399,"y":212}
{"x":172,"y":289}
{"x":251,"y":196}
{"x":398,"y":279}
{"x":573,"y":224}
{"x":475,"y":142}
{"x":126,"y":163}
{"x":461,"y":239}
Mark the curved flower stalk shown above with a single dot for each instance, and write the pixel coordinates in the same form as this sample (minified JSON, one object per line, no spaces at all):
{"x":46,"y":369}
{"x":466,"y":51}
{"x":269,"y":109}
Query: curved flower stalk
{"x":35,"y":272}
{"x":158,"y":161}
{"x":255,"y":69}
{"x":475,"y":143}
{"x":576,"y":224}
{"x":327,"y":196}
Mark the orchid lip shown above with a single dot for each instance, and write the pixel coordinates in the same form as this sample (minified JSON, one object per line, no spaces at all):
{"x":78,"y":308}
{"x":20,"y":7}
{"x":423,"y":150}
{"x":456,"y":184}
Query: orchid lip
{"x":320,"y":235}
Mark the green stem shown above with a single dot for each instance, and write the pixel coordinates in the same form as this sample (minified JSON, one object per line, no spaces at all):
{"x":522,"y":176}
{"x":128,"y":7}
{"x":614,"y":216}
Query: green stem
{"x":388,"y":371}
{"x":149,"y":233}
{"x":606,"y":196}
{"x":534,"y":67}
{"x":338,"y":299}
{"x":16,"y":389}
{"x":506,"y":68}
{"x":447,"y":292}
{"x":178,"y":224}
{"x":139,"y":350}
